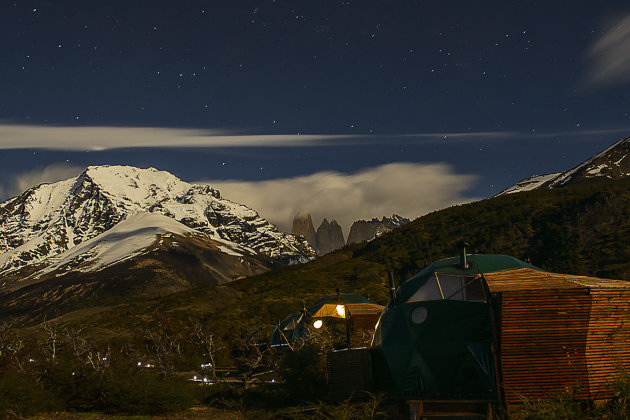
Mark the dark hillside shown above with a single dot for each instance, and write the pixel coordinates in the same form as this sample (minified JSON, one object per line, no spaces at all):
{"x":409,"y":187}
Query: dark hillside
{"x":579,"y":230}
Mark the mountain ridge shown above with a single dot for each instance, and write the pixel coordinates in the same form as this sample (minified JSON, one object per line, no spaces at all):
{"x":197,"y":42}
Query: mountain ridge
{"x":611,"y":163}
{"x":109,"y":214}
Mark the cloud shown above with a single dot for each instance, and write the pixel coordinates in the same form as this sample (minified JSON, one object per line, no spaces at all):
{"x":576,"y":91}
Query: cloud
{"x":582,"y":133}
{"x":51,"y":173}
{"x":407,"y":189}
{"x":15,"y":136}
{"x":609,"y":56}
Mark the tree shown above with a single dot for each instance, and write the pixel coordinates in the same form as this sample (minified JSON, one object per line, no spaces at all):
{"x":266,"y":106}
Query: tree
{"x":10,"y":345}
{"x":205,"y":338}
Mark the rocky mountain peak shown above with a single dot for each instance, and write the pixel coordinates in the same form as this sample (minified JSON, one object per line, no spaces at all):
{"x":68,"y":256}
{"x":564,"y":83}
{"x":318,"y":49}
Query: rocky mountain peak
{"x":329,"y":237}
{"x":303,"y":225}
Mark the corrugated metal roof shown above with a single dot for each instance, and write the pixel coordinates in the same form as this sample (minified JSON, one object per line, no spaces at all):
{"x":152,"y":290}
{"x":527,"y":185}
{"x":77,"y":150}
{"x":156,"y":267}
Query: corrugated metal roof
{"x":528,"y":279}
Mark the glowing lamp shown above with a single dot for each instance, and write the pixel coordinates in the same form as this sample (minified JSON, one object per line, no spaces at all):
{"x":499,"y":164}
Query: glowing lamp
{"x":318,"y":324}
{"x":341,"y":311}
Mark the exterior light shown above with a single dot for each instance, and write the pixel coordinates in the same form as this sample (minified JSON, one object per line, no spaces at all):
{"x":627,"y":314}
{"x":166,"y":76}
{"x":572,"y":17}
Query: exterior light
{"x":341,"y":311}
{"x":318,"y":324}
{"x":139,"y":363}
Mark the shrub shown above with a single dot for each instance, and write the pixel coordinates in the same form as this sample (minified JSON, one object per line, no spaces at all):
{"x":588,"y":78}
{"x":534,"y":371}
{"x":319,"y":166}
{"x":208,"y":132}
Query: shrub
{"x":21,"y":396}
{"x":141,"y":392}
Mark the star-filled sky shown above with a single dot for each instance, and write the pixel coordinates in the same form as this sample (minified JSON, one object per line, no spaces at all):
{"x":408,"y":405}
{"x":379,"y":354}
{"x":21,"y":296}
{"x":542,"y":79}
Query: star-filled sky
{"x":346,"y":109}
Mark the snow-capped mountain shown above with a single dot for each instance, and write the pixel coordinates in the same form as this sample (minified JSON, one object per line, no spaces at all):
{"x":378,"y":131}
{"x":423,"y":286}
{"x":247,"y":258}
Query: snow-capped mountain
{"x":612,"y":163}
{"x":111,"y":213}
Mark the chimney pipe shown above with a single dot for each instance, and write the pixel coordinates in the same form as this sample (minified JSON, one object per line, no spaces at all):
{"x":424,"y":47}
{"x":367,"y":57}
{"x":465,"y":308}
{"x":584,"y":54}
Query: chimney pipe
{"x":392,"y":287}
{"x":462,"y":254}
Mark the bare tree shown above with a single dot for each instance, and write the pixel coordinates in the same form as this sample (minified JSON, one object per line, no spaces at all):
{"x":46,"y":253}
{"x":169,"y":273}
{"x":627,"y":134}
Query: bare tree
{"x":10,"y":344}
{"x":163,"y":345}
{"x":98,"y":361}
{"x":206,"y":340}
{"x":85,"y":352}
{"x":255,"y":362}
{"x":53,"y":337}
{"x":78,"y":344}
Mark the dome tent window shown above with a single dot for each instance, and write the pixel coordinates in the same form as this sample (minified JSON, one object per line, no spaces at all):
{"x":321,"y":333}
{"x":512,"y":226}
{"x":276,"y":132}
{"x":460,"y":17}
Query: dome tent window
{"x":466,"y":288}
{"x":442,"y":286}
{"x":429,"y":291}
{"x":419,"y":315}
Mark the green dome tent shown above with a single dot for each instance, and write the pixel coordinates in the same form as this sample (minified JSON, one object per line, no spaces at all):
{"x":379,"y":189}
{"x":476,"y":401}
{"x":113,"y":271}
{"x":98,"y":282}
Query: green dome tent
{"x":436,"y":339}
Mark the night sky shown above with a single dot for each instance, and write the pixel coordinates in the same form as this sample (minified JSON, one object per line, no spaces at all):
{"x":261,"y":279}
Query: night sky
{"x":493,"y":91}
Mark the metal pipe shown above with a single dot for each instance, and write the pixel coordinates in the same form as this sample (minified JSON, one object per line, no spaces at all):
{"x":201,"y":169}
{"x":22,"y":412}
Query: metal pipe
{"x":462,"y":254}
{"x":392,"y":287}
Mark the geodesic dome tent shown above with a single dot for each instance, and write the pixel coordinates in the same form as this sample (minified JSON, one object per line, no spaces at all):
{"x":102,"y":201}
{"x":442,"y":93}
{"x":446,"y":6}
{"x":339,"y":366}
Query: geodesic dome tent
{"x":287,"y":330}
{"x":499,"y":329}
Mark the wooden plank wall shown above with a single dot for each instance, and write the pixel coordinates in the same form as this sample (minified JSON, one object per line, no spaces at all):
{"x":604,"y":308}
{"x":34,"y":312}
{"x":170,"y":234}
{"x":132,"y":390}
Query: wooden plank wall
{"x":349,"y":373}
{"x":543,"y":343}
{"x":608,"y":340}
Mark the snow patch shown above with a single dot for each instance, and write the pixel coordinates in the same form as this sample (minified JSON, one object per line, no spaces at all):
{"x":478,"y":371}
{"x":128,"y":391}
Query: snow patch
{"x":597,"y":170}
{"x":529,"y":184}
{"x":229,"y":251}
{"x":125,"y":240}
